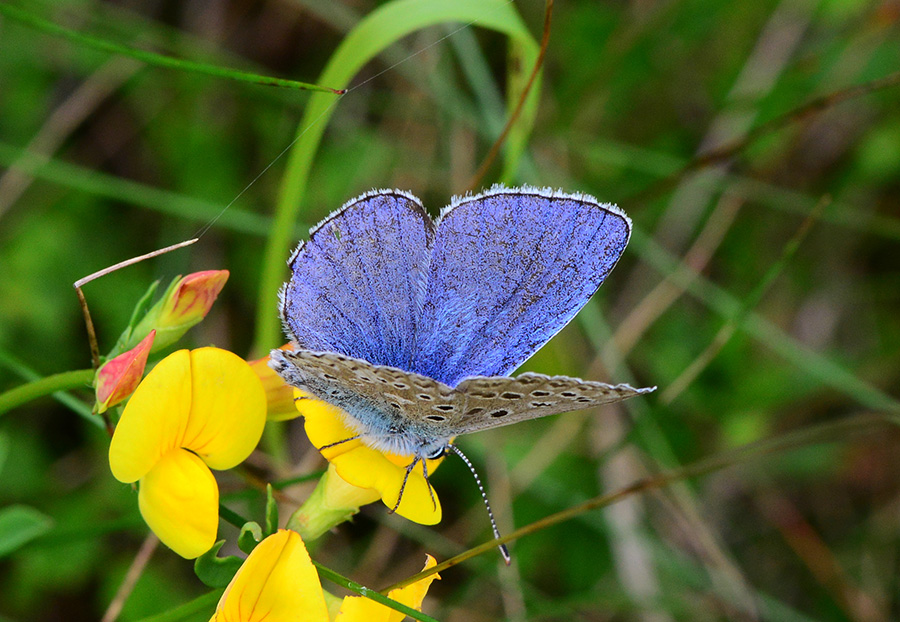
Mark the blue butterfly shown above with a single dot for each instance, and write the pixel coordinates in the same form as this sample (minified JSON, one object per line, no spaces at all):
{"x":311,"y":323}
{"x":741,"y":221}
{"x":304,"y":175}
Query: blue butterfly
{"x":411,"y":326}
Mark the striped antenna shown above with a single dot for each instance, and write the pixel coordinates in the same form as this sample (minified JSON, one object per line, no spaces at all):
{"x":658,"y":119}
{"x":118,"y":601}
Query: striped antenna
{"x":503,"y":550}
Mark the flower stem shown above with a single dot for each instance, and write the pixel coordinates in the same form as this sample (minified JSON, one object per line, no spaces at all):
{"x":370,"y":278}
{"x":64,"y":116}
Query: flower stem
{"x":316,"y":516}
{"x":77,"y":379}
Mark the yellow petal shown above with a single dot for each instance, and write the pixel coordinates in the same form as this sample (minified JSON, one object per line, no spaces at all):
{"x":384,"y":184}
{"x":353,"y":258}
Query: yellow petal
{"x":277,"y":583}
{"x":228,"y":408}
{"x":367,"y":468}
{"x":179,"y":500}
{"x":364,"y":467}
{"x":341,"y":495}
{"x":360,"y":609}
{"x":279,"y":395}
{"x":154,"y":419}
{"x":413,"y":595}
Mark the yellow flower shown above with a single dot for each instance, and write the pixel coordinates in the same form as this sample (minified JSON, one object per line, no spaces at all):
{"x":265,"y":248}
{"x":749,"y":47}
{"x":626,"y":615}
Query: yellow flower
{"x":363,"y":467}
{"x":120,"y":376}
{"x":194,"y":411}
{"x":278,"y":583}
{"x":279,"y":396}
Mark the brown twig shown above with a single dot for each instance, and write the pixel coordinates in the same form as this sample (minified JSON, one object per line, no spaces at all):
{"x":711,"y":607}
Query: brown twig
{"x":131,"y":577}
{"x":88,"y":322}
{"x":495,"y":148}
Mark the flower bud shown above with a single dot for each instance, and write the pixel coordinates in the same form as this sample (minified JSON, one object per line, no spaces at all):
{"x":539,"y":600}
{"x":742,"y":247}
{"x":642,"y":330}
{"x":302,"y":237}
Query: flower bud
{"x":120,"y":376}
{"x":185,"y":303}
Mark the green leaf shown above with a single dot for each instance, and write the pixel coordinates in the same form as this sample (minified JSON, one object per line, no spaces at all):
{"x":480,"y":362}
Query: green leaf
{"x":271,"y":511}
{"x":19,"y":525}
{"x":251,"y":535}
{"x":215,"y":571}
{"x":126,"y":340}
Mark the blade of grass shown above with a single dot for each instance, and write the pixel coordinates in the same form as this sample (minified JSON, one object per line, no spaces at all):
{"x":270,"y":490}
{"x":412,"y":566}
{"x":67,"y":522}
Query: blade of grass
{"x":152,"y":58}
{"x":373,"y":34}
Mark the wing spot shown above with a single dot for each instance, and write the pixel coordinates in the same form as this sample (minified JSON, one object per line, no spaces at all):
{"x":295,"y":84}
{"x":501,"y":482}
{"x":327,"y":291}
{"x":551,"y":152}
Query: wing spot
{"x":395,"y":405}
{"x":509,"y":395}
{"x":328,"y":376}
{"x":539,"y":404}
{"x":499,"y":413}
{"x":568,"y":394}
{"x":488,"y":395}
{"x":424,"y":396}
{"x":540,"y":393}
{"x":445,"y":407}
{"x":474,"y":411}
{"x":400,"y":385}
{"x":436,"y":417}
{"x":584,"y":400}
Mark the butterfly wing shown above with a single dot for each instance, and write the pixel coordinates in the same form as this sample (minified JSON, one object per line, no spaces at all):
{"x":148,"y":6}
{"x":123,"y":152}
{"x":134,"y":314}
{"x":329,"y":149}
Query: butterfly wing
{"x":509,"y":269}
{"x":491,"y":402}
{"x":357,"y":285}
{"x":408,"y":413}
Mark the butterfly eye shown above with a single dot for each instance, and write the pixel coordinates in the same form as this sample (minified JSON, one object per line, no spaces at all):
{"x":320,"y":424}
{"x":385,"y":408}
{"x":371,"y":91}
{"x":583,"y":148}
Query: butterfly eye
{"x":439,"y":452}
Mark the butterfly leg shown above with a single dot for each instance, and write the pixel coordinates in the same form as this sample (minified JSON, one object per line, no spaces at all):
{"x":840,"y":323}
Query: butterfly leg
{"x":428,"y":482}
{"x":336,"y":443}
{"x":409,"y":469}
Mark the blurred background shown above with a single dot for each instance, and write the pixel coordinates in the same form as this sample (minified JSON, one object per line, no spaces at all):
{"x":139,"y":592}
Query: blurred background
{"x":760,"y":292}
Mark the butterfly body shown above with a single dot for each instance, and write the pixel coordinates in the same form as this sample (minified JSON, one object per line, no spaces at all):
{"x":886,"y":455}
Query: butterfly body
{"x":411,"y":326}
{"x":411,"y":414}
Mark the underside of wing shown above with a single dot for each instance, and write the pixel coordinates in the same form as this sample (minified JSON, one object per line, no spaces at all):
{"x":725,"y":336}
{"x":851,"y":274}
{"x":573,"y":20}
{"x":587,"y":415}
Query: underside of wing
{"x":500,"y":400}
{"x":357,"y":285}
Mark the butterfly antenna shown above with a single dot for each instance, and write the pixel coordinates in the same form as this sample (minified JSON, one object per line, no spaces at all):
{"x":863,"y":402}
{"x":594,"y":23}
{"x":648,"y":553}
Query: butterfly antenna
{"x":503,"y":550}
{"x":403,"y":485}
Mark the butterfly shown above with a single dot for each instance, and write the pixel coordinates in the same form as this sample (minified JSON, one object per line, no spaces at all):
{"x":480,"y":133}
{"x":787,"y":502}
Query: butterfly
{"x":411,"y":326}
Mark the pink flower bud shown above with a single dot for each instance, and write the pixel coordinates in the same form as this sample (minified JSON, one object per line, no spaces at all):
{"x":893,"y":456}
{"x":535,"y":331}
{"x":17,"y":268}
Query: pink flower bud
{"x":185,"y":303}
{"x":120,"y":376}
{"x":191,"y":298}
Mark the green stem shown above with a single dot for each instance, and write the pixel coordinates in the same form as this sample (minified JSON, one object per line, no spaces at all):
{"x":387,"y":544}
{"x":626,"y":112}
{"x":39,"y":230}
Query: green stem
{"x":362,"y":590}
{"x":64,"y":381}
{"x":152,"y":58}
{"x":314,"y":517}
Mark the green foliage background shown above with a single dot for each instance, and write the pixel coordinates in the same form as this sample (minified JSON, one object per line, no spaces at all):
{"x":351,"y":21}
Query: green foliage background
{"x":104,"y":158}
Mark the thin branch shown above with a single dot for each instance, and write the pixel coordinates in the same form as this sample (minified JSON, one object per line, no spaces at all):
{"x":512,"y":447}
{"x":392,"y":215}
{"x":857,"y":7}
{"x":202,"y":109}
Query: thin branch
{"x":122,"y":264}
{"x":836,"y":431}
